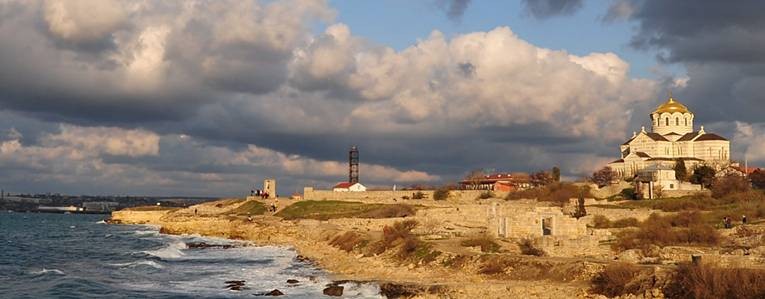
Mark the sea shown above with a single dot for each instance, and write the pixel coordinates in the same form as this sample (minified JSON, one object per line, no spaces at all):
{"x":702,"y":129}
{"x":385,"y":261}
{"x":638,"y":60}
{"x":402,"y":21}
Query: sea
{"x":80,"y":256}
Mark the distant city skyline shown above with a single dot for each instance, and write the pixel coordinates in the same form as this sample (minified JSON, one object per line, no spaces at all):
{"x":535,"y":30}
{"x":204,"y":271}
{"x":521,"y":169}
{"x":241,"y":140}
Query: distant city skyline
{"x":199,"y":98}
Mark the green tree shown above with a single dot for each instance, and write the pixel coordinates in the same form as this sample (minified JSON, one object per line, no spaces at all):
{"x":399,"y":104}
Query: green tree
{"x":556,"y":174}
{"x":758,"y":178}
{"x":580,"y":209}
{"x":681,"y":173}
{"x":703,"y":175}
{"x":729,"y":184}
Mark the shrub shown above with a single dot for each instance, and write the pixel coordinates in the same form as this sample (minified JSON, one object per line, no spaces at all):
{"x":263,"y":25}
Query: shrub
{"x":758,"y":178}
{"x":603,"y":177}
{"x":528,"y":248}
{"x":616,"y":279}
{"x":683,"y":228}
{"x":729,"y":184}
{"x":486,"y":244}
{"x":600,"y":221}
{"x":441,"y":194}
{"x":628,"y":193}
{"x":706,"y":281}
{"x":347,"y":241}
{"x":418,"y":195}
{"x":703,"y":175}
{"x":486,"y":195}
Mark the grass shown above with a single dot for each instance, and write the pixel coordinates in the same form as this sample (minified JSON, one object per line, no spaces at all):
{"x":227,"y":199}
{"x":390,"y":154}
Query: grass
{"x":329,"y":209}
{"x":487,"y":244}
{"x":410,"y":248}
{"x":250,"y":208}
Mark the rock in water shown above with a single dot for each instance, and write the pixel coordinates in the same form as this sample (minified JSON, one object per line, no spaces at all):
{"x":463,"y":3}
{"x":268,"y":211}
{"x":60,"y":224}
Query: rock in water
{"x":292,"y":281}
{"x":275,"y":292}
{"x":334,"y":290}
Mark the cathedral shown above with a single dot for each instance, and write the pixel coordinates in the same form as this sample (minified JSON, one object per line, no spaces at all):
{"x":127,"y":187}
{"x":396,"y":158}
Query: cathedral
{"x":672,"y":138}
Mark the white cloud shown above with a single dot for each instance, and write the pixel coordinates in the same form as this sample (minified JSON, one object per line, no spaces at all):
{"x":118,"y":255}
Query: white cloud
{"x":83,"y":20}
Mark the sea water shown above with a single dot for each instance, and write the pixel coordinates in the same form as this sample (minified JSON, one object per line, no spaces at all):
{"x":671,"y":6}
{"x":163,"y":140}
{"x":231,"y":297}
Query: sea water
{"x":80,"y":256}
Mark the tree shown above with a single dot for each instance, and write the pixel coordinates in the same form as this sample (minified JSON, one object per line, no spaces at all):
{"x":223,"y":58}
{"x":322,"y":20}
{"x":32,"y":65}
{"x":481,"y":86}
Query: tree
{"x":603,"y":177}
{"x":703,"y":175}
{"x":475,"y":177}
{"x":556,"y":174}
{"x":758,"y":178}
{"x":580,"y":209}
{"x":541,"y":178}
{"x":681,"y":173}
{"x":441,"y":194}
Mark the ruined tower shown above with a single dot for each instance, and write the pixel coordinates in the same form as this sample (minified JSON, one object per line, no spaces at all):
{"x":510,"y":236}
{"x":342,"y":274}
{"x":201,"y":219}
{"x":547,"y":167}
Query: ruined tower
{"x":353,"y":165}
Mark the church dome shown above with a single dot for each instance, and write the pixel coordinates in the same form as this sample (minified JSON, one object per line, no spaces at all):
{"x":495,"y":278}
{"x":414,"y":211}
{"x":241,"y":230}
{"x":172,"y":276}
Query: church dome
{"x":671,"y":106}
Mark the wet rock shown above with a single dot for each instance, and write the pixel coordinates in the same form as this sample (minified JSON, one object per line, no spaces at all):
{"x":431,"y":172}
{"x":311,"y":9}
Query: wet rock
{"x":292,"y":281}
{"x":301,"y":258}
{"x":235,"y":285}
{"x":398,"y":290}
{"x":203,"y":245}
{"x":334,"y":290}
{"x":275,"y":292}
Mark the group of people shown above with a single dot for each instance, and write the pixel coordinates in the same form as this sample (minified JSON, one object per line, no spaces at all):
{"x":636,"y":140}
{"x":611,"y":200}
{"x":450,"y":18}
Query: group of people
{"x":263,"y":194}
{"x":728,"y":223}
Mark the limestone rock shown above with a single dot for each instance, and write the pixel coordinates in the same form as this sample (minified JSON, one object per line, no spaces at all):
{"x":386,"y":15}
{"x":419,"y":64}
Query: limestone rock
{"x":275,"y":292}
{"x":630,"y":256}
{"x":292,"y":281}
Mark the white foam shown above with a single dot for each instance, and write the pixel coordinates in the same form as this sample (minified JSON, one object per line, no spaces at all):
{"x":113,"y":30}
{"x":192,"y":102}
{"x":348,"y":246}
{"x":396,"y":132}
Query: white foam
{"x":48,"y":271}
{"x":171,"y":251}
{"x":145,"y":233}
{"x":152,"y":264}
{"x":101,"y":222}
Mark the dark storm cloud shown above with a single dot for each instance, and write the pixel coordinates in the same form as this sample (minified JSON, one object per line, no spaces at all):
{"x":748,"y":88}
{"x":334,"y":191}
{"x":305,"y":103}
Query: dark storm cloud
{"x":456,"y":8}
{"x":720,"y":44}
{"x":542,"y":9}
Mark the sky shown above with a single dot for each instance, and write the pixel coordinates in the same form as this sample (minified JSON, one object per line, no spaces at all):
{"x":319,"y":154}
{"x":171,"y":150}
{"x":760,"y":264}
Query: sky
{"x":208,"y":98}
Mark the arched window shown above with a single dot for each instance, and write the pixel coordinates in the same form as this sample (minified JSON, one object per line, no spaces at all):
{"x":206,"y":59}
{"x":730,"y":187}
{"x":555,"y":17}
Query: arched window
{"x":677,"y":121}
{"x":686,"y":121}
{"x":666,"y":121}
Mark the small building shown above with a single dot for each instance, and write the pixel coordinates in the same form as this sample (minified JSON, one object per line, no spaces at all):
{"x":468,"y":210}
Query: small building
{"x":349,"y":187}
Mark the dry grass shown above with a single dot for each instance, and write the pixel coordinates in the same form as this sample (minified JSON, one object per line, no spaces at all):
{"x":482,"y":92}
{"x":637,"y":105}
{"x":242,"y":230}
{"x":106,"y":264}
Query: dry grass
{"x":707,"y":281}
{"x":347,"y":241}
{"x":685,"y":228}
{"x":410,"y":248}
{"x":600,"y":221}
{"x":330,"y":209}
{"x":617,"y":279}
{"x":486,"y":243}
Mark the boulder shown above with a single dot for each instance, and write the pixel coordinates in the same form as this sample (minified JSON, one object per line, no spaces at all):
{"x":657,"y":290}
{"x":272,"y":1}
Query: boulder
{"x":275,"y":292}
{"x":630,"y":256}
{"x":334,"y":290}
{"x":292,"y":281}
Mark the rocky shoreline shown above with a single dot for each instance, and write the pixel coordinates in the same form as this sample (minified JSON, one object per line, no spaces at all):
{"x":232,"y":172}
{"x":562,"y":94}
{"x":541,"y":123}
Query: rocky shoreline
{"x":310,"y":239}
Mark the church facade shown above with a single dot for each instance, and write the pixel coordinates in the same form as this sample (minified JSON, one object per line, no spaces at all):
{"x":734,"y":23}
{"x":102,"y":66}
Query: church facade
{"x":672,"y":138}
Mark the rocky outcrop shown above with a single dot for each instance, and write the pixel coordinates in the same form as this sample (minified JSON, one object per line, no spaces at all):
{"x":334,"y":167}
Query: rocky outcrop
{"x":333,"y":290}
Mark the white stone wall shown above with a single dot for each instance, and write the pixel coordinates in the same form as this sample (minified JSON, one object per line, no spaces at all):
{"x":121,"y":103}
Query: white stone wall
{"x":677,"y":122}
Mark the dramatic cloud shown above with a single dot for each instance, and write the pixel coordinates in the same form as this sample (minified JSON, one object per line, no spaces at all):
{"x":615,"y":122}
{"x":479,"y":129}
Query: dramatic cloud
{"x":210,"y":97}
{"x":455,"y":8}
{"x":542,"y":9}
{"x":719,"y":44}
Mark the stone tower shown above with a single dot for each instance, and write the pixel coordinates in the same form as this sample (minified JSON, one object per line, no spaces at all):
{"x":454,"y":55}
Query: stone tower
{"x":269,"y":186}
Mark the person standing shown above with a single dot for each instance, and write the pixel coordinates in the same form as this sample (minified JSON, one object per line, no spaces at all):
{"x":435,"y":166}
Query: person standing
{"x":743,"y":219}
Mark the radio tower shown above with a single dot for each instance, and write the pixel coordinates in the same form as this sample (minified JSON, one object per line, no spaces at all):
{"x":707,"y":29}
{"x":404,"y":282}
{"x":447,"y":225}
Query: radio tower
{"x":353,"y":165}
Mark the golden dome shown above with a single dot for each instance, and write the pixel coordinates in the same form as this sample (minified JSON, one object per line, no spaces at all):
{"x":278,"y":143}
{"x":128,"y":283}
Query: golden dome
{"x":671,"y":106}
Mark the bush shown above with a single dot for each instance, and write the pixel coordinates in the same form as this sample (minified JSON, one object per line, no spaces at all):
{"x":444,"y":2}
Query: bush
{"x":528,"y":248}
{"x":616,"y":279}
{"x":706,"y":281}
{"x":486,"y":195}
{"x":418,"y":195}
{"x":682,"y":229}
{"x":486,"y":244}
{"x":600,"y":221}
{"x":729,"y":184}
{"x":628,"y":193}
{"x":441,"y":194}
{"x":410,"y":248}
